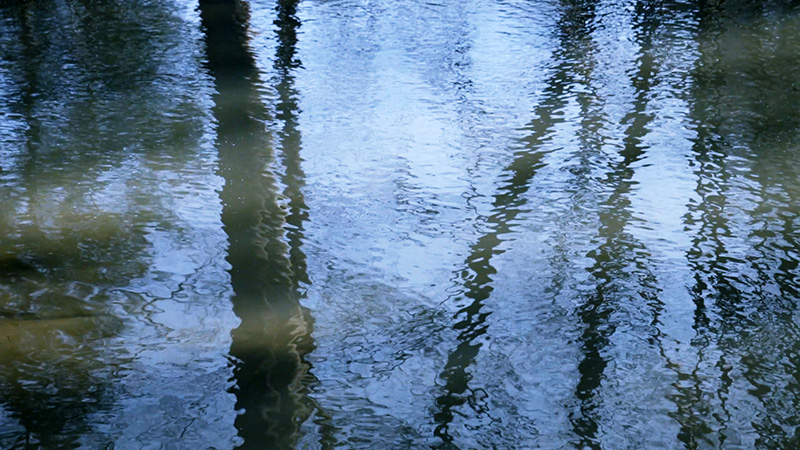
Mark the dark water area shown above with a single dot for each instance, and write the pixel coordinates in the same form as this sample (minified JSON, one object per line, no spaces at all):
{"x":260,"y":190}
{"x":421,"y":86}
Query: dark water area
{"x":369,"y":224}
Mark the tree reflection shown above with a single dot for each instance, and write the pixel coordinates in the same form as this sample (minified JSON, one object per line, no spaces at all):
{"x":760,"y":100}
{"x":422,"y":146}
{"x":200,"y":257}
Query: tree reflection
{"x":621,"y":262}
{"x":289,"y":140}
{"x":509,"y":203}
{"x":708,"y":217}
{"x":270,"y":345}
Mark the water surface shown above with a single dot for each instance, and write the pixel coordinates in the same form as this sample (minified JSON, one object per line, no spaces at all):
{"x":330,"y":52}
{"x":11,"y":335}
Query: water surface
{"x":407,"y":224}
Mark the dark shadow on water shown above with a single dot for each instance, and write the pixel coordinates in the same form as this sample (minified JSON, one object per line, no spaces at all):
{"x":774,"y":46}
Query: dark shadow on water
{"x":622,"y":272}
{"x":288,"y":136}
{"x":289,"y":144}
{"x":706,"y":257}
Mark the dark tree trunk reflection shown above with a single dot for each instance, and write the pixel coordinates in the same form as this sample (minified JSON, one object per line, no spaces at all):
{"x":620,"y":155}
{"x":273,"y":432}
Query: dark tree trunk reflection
{"x":270,"y":373}
{"x":509,"y":203}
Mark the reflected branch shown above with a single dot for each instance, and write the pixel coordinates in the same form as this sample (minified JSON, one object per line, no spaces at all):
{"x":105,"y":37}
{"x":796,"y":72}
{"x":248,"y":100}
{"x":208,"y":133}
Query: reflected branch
{"x":475,"y":278}
{"x":288,"y":136}
{"x":289,"y":146}
{"x":620,"y":256}
{"x":713,"y":291}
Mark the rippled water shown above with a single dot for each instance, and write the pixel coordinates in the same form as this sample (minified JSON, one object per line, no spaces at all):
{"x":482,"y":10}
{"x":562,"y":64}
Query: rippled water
{"x":399,"y":224}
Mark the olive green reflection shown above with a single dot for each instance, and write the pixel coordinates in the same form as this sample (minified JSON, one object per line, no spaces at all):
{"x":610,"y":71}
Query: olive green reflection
{"x":745,"y":104}
{"x":83,"y":131}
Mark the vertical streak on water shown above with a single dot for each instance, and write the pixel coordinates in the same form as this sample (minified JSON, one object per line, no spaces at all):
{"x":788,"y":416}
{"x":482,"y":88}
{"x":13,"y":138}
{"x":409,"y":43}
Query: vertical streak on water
{"x":289,"y":139}
{"x":289,"y":145}
{"x":509,"y":201}
{"x":590,"y":140}
{"x":712,"y":291}
{"x":619,"y":254}
{"x":268,"y":348}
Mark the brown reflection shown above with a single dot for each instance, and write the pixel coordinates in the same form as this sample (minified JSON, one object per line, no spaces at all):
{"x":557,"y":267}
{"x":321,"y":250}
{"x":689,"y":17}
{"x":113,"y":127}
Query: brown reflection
{"x":267,"y":264}
{"x":288,"y":136}
{"x":289,"y":143}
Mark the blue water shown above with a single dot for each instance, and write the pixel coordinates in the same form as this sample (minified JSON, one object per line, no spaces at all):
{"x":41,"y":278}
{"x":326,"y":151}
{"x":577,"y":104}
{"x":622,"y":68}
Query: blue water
{"x":374,"y":224}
